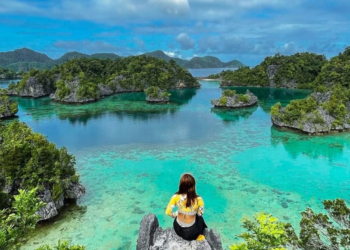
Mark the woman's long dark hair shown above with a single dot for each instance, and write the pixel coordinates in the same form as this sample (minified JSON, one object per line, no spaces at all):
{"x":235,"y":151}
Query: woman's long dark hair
{"x":188,"y":186}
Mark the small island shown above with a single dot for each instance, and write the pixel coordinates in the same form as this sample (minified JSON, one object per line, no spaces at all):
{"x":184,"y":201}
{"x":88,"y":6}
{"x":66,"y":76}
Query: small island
{"x":327,"y":109}
{"x":320,"y":113}
{"x":230,"y":99}
{"x":8,"y":108}
{"x":156,"y":95}
{"x":86,"y":80}
{"x":278,"y":71}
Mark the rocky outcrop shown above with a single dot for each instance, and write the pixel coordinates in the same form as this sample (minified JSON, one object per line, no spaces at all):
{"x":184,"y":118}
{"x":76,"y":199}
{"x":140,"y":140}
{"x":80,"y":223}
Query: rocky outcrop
{"x":182,"y":85}
{"x":52,"y":207}
{"x":318,"y":121}
{"x":8,"y":108}
{"x":236,"y":101}
{"x":153,"y":237}
{"x":271,"y":72}
{"x":72,"y":97}
{"x":33,"y":88}
{"x":156,"y":95}
{"x":74,"y":191}
{"x":113,"y":87}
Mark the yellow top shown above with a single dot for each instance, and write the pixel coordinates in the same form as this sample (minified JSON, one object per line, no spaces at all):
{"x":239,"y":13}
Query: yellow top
{"x":180,"y":200}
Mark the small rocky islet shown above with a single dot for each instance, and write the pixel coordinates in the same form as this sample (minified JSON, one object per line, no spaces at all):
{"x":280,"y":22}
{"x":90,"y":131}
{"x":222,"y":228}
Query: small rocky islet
{"x":157,"y":95}
{"x":8,"y":107}
{"x":230,"y":99}
{"x":320,"y":113}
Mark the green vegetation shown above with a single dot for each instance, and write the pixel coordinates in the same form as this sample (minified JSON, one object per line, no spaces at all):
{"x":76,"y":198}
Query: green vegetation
{"x":229,"y":93}
{"x":20,"y":219}
{"x":83,"y":76}
{"x":7,"y":74}
{"x":303,"y":68}
{"x":336,"y":71}
{"x":62,"y":245}
{"x":244,"y":98}
{"x":7,"y":106}
{"x":300,"y":111}
{"x":264,"y":232}
{"x":223,"y":101}
{"x":156,"y":92}
{"x":32,"y":161}
{"x":317,"y":231}
{"x":46,"y":77}
{"x":331,"y":97}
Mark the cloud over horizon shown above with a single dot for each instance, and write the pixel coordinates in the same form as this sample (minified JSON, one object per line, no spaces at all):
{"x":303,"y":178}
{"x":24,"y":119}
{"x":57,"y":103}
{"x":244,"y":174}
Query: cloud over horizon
{"x":247,"y":30}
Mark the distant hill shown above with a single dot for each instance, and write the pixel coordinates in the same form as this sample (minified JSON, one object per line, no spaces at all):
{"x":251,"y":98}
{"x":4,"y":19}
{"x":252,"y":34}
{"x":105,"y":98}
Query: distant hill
{"x":26,"y":59}
{"x":197,"y":62}
{"x":71,"y":55}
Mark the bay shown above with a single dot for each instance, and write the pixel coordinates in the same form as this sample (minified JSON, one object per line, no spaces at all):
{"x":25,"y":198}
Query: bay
{"x":207,"y":71}
{"x":130,"y":156}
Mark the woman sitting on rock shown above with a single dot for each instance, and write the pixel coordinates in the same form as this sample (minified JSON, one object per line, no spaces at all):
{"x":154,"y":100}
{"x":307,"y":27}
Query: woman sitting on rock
{"x":188,"y":223}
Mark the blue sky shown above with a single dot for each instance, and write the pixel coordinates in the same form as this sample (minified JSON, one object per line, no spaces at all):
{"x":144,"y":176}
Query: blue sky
{"x":247,"y":30}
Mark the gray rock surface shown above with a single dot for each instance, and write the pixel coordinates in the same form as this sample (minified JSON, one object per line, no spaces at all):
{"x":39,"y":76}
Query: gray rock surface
{"x":51,"y":208}
{"x":317,"y":122}
{"x":234,"y":102}
{"x":34,"y":88}
{"x":153,"y":237}
{"x":74,"y":191}
{"x":5,"y":110}
{"x":182,"y":85}
{"x":158,"y":99}
{"x":271,"y":71}
{"x":73,"y":95}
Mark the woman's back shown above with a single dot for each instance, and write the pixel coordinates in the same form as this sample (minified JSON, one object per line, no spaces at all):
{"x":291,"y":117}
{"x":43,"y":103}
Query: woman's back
{"x":180,"y":200}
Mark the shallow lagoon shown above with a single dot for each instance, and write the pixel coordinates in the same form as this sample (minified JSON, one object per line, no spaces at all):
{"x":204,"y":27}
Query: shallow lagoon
{"x":131,"y":154}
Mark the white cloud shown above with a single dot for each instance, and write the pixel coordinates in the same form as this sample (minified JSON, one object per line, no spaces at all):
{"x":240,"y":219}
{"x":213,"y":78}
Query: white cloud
{"x":174,"y":7}
{"x":185,"y":41}
{"x":175,"y":53}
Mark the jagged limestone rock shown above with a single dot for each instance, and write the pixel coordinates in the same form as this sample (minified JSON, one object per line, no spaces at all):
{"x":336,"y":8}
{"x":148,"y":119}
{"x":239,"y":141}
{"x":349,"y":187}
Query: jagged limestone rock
{"x":235,"y":101}
{"x":153,"y":237}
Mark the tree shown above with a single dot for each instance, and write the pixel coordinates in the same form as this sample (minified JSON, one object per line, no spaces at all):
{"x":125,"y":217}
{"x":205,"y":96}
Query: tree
{"x":17,"y":221}
{"x":62,"y":245}
{"x":317,"y":231}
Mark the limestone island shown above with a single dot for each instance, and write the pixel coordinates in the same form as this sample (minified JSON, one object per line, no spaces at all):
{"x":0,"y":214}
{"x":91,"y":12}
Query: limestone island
{"x":84,"y":80}
{"x":230,"y":99}
{"x":8,"y":108}
{"x":50,"y":173}
{"x":156,"y":95}
{"x":320,"y":113}
{"x":278,"y":71}
{"x":153,"y":237}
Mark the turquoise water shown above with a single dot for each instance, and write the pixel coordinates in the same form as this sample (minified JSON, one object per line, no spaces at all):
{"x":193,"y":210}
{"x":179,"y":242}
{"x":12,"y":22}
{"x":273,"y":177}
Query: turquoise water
{"x":130,"y":156}
{"x":207,"y":71}
{"x":5,"y":83}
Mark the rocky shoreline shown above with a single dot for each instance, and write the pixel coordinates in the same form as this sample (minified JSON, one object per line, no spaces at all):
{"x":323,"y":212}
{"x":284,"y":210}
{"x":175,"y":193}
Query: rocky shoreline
{"x":8,"y":108}
{"x":317,"y":121}
{"x":233,"y":100}
{"x":36,"y":89}
{"x":153,"y":237}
